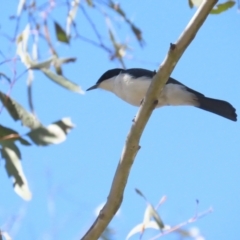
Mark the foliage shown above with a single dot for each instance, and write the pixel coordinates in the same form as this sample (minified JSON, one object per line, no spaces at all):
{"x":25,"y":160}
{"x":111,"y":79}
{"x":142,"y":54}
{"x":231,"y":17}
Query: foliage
{"x":219,"y":8}
{"x":37,"y":32}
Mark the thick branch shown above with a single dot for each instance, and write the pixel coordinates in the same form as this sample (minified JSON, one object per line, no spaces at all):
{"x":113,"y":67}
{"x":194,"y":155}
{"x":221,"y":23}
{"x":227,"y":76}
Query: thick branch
{"x":132,"y":143}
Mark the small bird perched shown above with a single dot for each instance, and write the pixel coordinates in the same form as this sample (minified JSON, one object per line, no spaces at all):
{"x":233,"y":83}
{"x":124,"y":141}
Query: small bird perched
{"x":132,"y":84}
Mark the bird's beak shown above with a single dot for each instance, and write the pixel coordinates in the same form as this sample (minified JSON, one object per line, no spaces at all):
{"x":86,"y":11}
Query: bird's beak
{"x":93,"y":87}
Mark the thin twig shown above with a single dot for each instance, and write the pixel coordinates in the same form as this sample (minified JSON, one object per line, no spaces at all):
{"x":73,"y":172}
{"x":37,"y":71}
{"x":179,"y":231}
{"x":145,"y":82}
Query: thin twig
{"x":16,"y":28}
{"x":85,"y":39}
{"x":47,"y":37}
{"x":2,"y":54}
{"x":91,"y":23}
{"x":29,"y":90}
{"x":177,"y":227}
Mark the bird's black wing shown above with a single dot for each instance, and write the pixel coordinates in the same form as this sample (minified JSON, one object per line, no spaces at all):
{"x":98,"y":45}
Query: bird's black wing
{"x":173,"y":81}
{"x":139,"y":72}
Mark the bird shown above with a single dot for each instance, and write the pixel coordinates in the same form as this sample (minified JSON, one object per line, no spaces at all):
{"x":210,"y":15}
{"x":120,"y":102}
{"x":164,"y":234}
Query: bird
{"x":131,"y":85}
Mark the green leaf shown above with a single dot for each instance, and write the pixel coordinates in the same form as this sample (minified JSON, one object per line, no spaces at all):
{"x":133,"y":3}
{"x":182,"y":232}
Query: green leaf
{"x":8,"y":134}
{"x":64,"y":82}
{"x":90,"y":3}
{"x":12,"y":156}
{"x":22,"y":46}
{"x":61,"y":34}
{"x":55,"y":133}
{"x":190,"y":3}
{"x":140,"y":193}
{"x":137,"y":32}
{"x":11,"y":170}
{"x":17,"y":112}
{"x":222,"y":7}
{"x":150,"y":211}
{"x":59,"y":61}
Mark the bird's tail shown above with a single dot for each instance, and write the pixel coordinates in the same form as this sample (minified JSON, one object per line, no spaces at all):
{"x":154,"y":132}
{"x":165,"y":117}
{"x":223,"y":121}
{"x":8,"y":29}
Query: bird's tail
{"x":218,"y":107}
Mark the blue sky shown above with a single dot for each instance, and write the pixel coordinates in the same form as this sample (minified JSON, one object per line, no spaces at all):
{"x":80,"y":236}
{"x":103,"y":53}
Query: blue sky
{"x":186,"y":153}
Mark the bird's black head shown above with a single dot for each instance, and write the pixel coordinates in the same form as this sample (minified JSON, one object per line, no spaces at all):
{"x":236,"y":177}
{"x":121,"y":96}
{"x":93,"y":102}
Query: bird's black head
{"x":108,"y":74}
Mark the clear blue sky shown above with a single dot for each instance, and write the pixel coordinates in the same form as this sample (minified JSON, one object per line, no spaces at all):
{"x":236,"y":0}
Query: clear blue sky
{"x":186,"y":153}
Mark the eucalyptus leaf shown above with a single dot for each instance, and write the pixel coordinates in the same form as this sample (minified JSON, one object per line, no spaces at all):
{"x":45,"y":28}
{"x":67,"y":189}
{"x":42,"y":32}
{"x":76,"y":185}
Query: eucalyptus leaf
{"x":140,"y":193}
{"x":195,"y":3}
{"x":59,"y":61}
{"x":22,"y":46}
{"x":150,"y":211}
{"x":55,"y":133}
{"x":39,"y":65}
{"x":8,"y":134}
{"x":12,"y":156}
{"x":18,"y":112}
{"x":64,"y":82}
{"x":60,"y":33}
{"x":190,"y":3}
{"x":90,"y":3}
{"x":222,"y":7}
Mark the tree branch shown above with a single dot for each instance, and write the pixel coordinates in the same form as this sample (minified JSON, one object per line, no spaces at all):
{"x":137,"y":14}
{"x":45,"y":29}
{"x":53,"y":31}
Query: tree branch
{"x":132,"y":143}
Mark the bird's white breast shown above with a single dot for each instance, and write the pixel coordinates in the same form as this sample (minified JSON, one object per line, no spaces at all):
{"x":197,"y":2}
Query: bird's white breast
{"x":130,"y":89}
